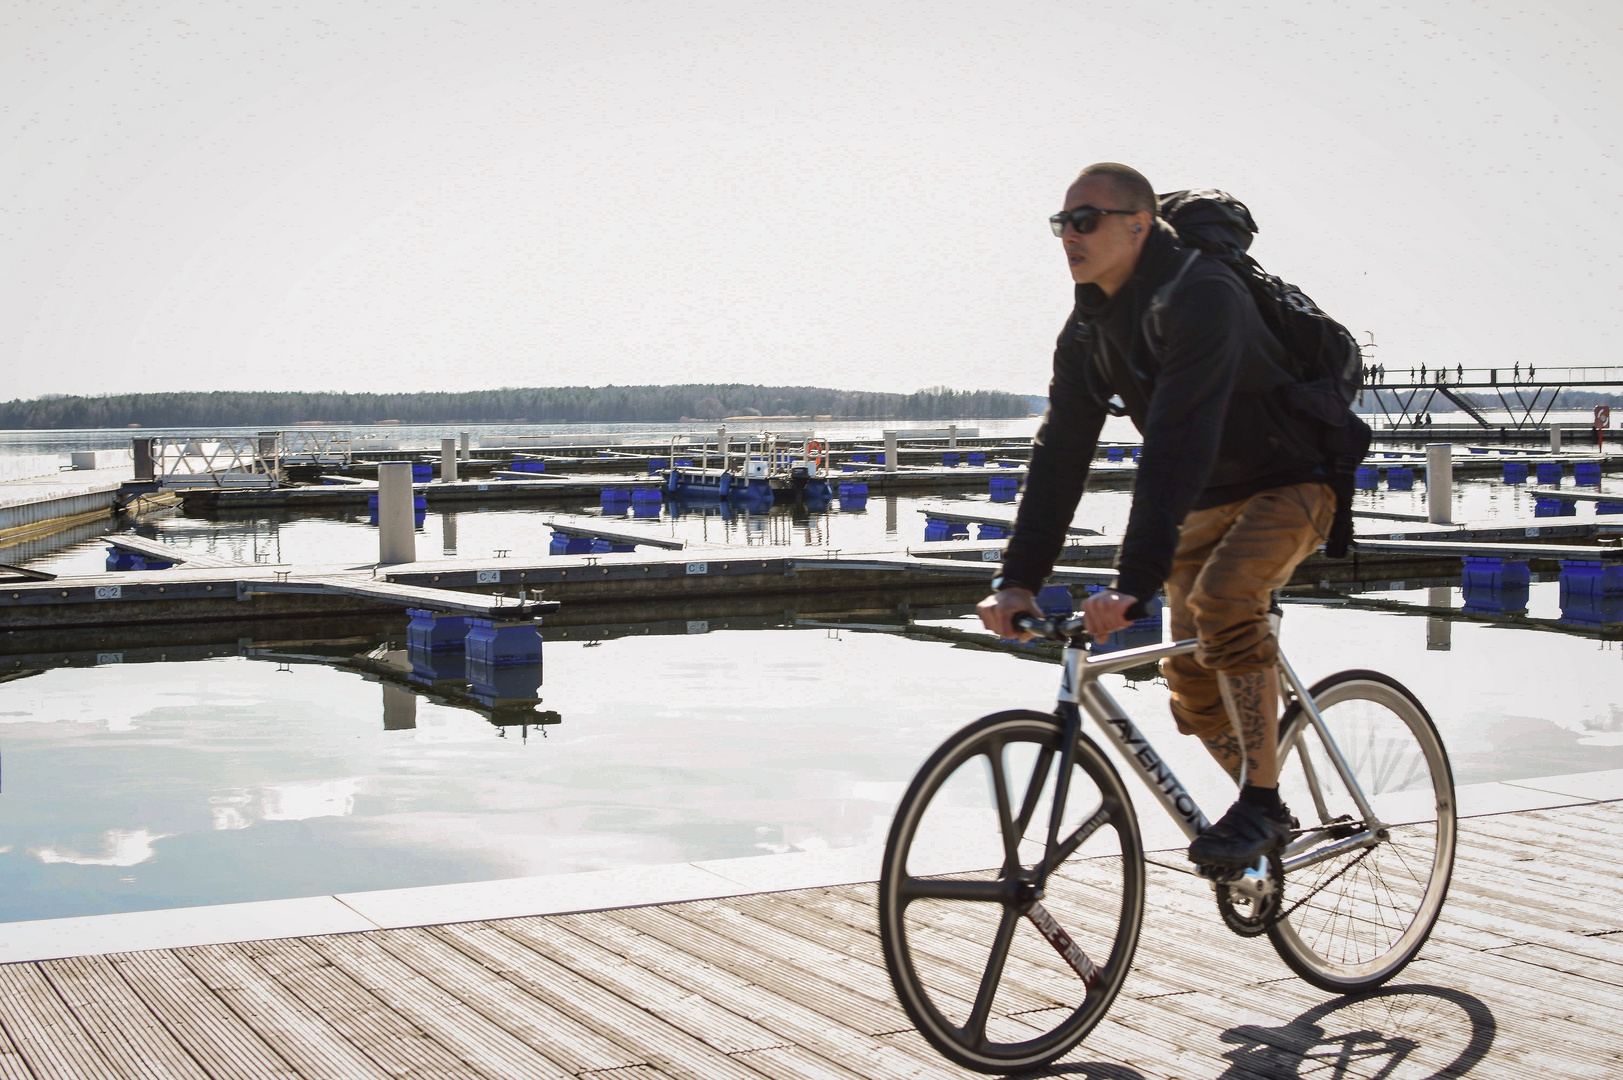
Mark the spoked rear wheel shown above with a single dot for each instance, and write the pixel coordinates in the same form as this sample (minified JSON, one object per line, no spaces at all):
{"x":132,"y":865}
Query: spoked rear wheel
{"x":1354,"y":919}
{"x":997,"y":975}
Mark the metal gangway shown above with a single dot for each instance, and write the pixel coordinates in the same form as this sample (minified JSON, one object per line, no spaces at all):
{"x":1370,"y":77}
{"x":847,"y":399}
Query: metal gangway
{"x":325,"y":447}
{"x":221,"y":461}
{"x":1526,"y":393}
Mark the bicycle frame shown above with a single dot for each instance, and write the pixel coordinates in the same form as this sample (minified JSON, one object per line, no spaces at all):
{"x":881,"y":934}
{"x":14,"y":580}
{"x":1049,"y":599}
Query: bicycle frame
{"x":1081,"y":692}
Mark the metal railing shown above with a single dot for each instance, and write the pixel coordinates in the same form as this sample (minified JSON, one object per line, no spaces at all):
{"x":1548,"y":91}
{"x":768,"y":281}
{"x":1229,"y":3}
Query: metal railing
{"x":1401,"y":376}
{"x":313,"y":446}
{"x":223,"y":461}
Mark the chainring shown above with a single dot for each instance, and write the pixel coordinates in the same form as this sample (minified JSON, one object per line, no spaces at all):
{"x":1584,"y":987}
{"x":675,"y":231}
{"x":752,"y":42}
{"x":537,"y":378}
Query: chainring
{"x":1250,"y":902}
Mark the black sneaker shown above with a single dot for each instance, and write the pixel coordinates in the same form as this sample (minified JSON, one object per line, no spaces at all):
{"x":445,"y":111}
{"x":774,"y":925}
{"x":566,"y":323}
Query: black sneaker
{"x":1244,"y":835}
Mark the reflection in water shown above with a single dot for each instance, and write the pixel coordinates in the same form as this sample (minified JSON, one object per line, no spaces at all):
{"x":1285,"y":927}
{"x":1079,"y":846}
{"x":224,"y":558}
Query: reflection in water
{"x":505,"y":694}
{"x":399,"y":708}
{"x":311,"y":799}
{"x":176,"y":766}
{"x":1439,"y":635}
{"x":119,"y":848}
{"x":448,"y":534}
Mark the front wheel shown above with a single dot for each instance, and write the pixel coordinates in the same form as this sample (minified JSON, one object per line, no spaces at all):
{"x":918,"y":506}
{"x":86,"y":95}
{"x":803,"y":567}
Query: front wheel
{"x":1357,"y":916}
{"x":998,"y":973}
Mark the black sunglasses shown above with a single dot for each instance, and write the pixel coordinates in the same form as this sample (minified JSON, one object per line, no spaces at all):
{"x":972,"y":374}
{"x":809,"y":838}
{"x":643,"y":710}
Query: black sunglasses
{"x":1084,"y":219}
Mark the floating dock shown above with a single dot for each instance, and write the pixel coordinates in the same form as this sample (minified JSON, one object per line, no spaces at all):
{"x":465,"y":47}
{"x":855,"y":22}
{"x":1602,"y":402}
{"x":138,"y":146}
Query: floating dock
{"x":298,"y":471}
{"x":38,"y":505}
{"x":235,"y":592}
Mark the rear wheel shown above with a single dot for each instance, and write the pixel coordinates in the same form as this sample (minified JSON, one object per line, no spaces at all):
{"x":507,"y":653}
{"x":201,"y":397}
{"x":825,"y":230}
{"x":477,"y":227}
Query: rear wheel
{"x":1354,"y":919}
{"x":996,"y":975}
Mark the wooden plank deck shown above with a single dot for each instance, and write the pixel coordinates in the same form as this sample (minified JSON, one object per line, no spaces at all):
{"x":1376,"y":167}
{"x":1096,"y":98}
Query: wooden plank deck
{"x":1523,"y":977}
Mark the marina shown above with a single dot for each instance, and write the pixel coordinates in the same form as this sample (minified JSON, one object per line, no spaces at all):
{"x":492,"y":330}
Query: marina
{"x":423,"y":743}
{"x":499,"y":502}
{"x":613,"y":536}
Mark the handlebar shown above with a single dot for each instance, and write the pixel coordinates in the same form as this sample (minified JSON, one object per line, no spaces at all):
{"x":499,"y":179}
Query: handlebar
{"x":1069,"y":630}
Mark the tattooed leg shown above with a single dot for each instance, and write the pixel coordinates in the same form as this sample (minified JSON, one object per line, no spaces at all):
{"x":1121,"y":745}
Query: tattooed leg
{"x":1252,"y":700}
{"x":1226,"y":749}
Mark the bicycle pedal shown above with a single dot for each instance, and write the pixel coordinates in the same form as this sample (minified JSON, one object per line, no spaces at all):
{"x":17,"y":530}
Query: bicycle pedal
{"x":1220,"y":875}
{"x":1250,"y":902}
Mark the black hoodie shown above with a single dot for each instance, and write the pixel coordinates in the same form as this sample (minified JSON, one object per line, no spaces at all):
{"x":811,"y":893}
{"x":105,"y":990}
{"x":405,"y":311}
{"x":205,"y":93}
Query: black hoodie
{"x":1204,"y":395}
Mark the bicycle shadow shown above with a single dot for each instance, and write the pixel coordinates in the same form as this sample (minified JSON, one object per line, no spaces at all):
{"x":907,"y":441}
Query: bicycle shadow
{"x":1416,"y":1031}
{"x":1084,"y":1070}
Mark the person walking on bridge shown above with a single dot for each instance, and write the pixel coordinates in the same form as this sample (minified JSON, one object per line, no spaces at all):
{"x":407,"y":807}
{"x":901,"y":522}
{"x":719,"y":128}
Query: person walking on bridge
{"x":1231,"y":493}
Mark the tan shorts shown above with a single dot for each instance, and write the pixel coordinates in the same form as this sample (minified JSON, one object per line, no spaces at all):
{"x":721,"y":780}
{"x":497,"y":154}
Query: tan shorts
{"x":1230,"y":560}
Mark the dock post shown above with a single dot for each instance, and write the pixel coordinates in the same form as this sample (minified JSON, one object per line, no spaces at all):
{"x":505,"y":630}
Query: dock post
{"x":890,"y":451}
{"x":952,"y":436}
{"x":463,"y":451}
{"x":1555,"y":438}
{"x":1440,"y":483}
{"x":397,"y":528}
{"x":447,"y":460}
{"x":141,"y":452}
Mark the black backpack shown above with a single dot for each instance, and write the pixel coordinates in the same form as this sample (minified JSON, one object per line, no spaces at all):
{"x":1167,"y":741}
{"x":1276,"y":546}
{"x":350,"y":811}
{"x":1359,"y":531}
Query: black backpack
{"x":1329,"y":365}
{"x":1323,"y":350}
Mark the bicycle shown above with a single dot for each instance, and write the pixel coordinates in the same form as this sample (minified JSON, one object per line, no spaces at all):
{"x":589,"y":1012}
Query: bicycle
{"x":1347,"y":905}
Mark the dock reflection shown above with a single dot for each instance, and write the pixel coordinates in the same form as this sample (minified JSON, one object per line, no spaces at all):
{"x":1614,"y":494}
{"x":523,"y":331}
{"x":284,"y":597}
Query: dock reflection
{"x":508,"y":697}
{"x":378,"y":647}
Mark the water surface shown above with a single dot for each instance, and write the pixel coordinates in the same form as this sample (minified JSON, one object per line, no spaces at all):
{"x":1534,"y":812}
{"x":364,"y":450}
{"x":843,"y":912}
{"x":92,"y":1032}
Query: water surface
{"x":134,"y":786}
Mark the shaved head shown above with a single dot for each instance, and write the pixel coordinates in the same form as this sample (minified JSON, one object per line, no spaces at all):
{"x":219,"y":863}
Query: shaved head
{"x":1125,"y":182}
{"x":1102,"y":248}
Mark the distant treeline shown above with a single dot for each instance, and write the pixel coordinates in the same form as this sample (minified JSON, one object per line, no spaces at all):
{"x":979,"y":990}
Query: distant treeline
{"x":532,"y":405}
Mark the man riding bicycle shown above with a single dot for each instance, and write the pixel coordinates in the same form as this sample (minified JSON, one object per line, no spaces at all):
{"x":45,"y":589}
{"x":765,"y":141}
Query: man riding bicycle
{"x":1232,"y":492}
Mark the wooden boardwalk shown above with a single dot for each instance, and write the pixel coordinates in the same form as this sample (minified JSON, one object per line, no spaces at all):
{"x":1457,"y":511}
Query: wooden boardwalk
{"x":1523,"y":977}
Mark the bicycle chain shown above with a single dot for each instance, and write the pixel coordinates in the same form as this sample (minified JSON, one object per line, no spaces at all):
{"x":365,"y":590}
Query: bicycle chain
{"x":1326,"y":882}
{"x":1273,"y":909}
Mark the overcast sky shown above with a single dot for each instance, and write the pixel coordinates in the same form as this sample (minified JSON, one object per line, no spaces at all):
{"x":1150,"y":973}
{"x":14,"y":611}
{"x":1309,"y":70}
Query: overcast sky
{"x":412,"y":196}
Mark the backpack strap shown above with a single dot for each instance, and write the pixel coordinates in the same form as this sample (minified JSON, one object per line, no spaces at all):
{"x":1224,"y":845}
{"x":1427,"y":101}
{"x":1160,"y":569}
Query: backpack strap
{"x":1159,"y":302}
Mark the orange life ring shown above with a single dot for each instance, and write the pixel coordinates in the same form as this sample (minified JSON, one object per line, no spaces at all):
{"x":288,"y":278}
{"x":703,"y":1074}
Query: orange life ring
{"x":817,"y":453}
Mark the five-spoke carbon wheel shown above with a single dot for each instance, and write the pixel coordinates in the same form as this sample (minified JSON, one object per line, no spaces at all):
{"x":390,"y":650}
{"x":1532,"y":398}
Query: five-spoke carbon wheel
{"x":1353,"y":921}
{"x":997,"y":973}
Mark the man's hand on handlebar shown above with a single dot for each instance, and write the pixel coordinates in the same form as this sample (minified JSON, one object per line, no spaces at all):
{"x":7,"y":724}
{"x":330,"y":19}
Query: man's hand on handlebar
{"x":1106,"y":612}
{"x":997,"y":611}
